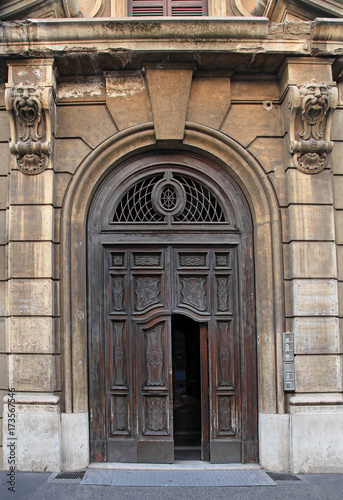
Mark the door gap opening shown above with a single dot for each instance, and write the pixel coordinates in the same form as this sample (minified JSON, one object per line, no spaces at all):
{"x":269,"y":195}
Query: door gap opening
{"x":186,"y":388}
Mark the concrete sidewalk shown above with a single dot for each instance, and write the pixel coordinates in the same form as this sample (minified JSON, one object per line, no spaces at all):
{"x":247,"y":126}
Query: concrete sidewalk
{"x":38,"y":486}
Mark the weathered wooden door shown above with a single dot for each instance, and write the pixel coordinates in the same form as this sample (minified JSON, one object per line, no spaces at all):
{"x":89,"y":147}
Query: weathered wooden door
{"x":171,"y":250}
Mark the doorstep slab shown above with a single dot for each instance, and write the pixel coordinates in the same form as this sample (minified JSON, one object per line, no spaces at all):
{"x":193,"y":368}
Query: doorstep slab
{"x":179,"y":477}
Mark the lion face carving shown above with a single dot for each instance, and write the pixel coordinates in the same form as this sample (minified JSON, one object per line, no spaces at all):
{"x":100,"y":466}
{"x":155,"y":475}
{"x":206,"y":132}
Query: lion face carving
{"x":27,"y":105}
{"x":315,"y":103}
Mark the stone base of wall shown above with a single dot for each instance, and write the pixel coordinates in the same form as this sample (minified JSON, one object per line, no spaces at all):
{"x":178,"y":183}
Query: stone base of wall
{"x":308,"y":440}
{"x":43,"y":439}
{"x":316,"y":434}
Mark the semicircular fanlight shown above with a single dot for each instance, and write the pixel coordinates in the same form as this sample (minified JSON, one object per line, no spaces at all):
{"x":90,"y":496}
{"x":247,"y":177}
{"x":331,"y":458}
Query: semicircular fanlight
{"x":175,"y":198}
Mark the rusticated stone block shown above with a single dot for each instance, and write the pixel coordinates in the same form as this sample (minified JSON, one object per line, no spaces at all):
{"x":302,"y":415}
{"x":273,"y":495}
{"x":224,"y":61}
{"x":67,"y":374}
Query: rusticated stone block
{"x":3,"y":371}
{"x":32,"y":189}
{"x":3,"y":334}
{"x":255,"y":90}
{"x":169,"y":90}
{"x":3,"y":298}
{"x":69,"y":153}
{"x":339,"y":250}
{"x":338,"y":191}
{"x":3,"y":227}
{"x":5,"y":156}
{"x":247,"y":121}
{"x":3,"y":193}
{"x":312,"y":259}
{"x":3,"y":262}
{"x":31,"y":259}
{"x":337,"y":125}
{"x":314,"y":297}
{"x":295,"y":71}
{"x":337,"y":158}
{"x":4,"y":127}
{"x":32,"y":372}
{"x":69,"y":119}
{"x":316,"y":335}
{"x":31,"y":222}
{"x":269,"y":152}
{"x":209,"y":100}
{"x":127,"y":98}
{"x":339,"y":226}
{"x":311,"y":189}
{"x":31,"y":335}
{"x":61,"y":184}
{"x":32,"y":297}
{"x":318,"y":373}
{"x":308,"y":222}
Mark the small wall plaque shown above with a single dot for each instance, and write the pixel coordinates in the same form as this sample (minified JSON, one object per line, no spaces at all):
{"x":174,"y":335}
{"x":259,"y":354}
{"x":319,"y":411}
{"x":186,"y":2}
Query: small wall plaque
{"x":288,"y":361}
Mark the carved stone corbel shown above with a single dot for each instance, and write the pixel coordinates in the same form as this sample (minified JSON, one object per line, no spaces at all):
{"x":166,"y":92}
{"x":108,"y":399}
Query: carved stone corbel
{"x":311,"y":105}
{"x":29,"y":108}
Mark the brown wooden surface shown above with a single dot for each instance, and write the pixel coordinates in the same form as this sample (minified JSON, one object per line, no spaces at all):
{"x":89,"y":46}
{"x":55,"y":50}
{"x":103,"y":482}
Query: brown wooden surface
{"x":135,"y":289}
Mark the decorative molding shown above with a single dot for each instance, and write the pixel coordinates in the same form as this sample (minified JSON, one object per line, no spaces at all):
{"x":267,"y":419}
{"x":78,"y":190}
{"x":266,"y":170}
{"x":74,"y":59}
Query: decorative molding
{"x":147,"y":291}
{"x":223,"y":294}
{"x":193,"y":260}
{"x":119,"y":418}
{"x":311,"y":105}
{"x":30,"y":107}
{"x":193,"y":292}
{"x":224,"y":413}
{"x":119,"y":354}
{"x":118,"y":294}
{"x":226,"y":368}
{"x":155,"y":414}
{"x":154,"y":356}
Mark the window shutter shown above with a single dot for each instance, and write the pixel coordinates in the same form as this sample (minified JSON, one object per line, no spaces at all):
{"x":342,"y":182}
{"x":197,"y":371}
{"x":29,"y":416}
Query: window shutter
{"x":174,"y":8}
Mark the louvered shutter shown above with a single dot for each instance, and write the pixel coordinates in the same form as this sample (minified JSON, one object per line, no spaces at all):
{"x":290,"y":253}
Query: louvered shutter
{"x":175,"y":8}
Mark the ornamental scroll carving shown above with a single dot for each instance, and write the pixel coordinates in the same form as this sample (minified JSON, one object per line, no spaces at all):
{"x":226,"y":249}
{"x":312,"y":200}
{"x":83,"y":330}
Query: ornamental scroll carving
{"x":154,"y":356}
{"x":30,"y":107}
{"x":311,"y":105}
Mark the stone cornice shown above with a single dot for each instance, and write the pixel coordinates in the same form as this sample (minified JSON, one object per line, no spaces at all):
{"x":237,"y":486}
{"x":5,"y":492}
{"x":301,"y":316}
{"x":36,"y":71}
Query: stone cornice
{"x":49,"y":37}
{"x":126,"y":37}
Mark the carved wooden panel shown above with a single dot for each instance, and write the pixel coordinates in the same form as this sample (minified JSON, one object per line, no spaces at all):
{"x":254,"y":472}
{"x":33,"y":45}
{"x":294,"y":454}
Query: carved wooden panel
{"x":117,"y":293}
{"x":147,"y":291}
{"x":154,"y":356}
{"x":119,"y":359}
{"x":117,"y":259}
{"x":223,"y":298}
{"x":155,"y":415}
{"x":150,"y":259}
{"x":193,"y":292}
{"x":225,"y":346}
{"x":225,"y":415}
{"x":193,"y":260}
{"x":119,"y":415}
{"x":223,"y":260}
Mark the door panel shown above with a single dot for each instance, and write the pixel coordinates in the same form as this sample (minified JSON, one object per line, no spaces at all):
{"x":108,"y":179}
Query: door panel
{"x":146,"y":285}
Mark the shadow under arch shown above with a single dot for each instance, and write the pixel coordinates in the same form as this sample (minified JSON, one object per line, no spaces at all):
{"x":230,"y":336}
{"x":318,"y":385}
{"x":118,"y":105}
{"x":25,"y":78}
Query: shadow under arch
{"x":261,"y":198}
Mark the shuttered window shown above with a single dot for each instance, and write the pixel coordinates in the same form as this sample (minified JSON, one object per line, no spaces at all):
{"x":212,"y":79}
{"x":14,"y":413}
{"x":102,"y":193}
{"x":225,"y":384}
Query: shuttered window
{"x":174,"y":8}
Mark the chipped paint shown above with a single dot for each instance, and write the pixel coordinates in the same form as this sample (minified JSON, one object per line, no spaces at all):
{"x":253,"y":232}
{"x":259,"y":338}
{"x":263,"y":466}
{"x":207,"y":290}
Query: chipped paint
{"x":126,"y":86}
{"x":80,"y":88}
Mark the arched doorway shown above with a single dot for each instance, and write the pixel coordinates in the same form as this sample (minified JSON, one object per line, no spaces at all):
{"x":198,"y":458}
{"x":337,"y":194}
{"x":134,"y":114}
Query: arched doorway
{"x":168,"y":237}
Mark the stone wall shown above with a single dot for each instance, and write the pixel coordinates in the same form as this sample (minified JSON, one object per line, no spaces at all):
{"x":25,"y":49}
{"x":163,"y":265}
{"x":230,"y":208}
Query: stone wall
{"x":253,"y":127}
{"x":4,"y":182}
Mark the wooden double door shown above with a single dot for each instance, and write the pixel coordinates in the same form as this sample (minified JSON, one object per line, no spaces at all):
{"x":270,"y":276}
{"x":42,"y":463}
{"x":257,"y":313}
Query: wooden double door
{"x":173,"y":363}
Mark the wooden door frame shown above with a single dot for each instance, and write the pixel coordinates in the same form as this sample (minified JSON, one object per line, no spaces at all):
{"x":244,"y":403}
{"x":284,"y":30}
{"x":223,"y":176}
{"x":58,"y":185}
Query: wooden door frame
{"x":245,"y":256}
{"x":205,"y":407}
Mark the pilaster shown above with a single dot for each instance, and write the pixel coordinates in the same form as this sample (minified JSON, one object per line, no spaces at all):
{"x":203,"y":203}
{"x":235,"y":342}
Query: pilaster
{"x":310,"y":98}
{"x":33,"y":360}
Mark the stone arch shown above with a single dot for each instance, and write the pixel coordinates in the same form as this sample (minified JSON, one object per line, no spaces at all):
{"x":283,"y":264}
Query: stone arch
{"x":261,"y":198}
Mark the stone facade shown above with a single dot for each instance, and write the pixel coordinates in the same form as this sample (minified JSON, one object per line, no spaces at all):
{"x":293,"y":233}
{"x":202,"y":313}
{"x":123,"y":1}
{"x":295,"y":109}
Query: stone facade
{"x":264,"y":101}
